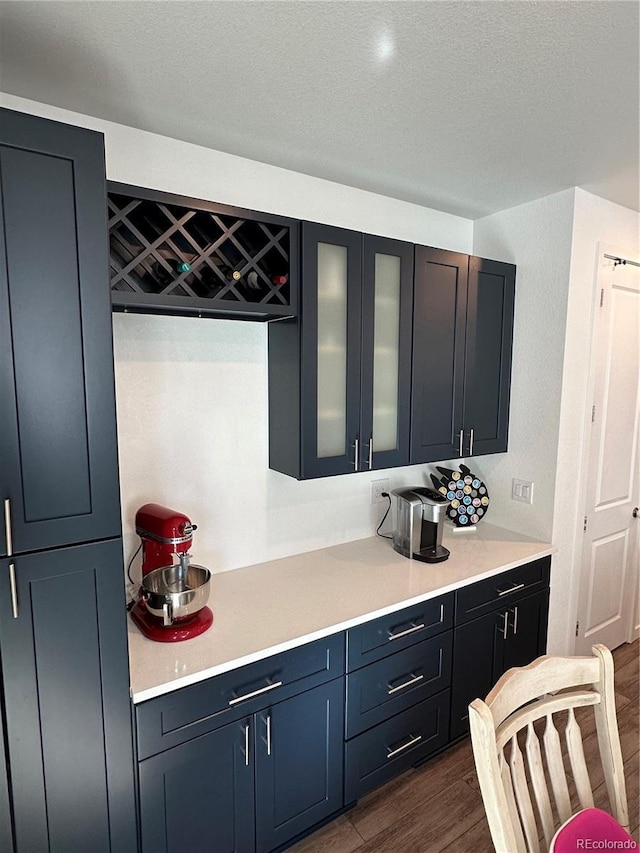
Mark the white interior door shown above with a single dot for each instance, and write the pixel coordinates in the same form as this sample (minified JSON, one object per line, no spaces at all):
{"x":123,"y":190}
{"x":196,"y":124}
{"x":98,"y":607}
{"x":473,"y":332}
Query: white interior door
{"x":607,"y":611}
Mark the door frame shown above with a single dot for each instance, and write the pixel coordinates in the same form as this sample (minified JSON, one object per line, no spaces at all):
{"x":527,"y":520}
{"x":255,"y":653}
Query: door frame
{"x":585,"y":450}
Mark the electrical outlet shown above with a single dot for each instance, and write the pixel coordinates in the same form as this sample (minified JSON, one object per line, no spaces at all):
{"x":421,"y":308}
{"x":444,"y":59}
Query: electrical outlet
{"x":522,"y":490}
{"x":377,"y":488}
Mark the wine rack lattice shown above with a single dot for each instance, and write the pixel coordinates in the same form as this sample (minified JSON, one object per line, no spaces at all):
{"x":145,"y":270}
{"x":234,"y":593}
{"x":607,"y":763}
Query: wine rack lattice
{"x":170,"y":254}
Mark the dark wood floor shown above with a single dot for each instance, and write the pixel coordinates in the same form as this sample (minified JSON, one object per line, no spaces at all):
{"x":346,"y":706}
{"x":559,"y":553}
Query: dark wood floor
{"x":438,"y":807}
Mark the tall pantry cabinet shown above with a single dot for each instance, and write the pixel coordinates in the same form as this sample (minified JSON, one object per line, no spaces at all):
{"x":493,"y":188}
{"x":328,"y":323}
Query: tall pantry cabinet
{"x":67,"y":781}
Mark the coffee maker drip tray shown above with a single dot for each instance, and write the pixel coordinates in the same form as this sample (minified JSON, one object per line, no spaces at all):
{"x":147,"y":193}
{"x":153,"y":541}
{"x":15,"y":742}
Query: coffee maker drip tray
{"x":434,"y":554}
{"x":185,"y":629}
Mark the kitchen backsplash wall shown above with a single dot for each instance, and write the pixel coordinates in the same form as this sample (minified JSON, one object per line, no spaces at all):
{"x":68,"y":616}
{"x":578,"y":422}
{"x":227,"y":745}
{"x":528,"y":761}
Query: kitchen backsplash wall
{"x":192,"y":423}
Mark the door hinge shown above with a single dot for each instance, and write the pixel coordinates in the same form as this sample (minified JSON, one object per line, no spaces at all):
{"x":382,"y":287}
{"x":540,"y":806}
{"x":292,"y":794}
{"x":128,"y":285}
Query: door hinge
{"x":577,"y":628}
{"x":585,"y":523}
{"x":593,"y":414}
{"x":602,"y":297}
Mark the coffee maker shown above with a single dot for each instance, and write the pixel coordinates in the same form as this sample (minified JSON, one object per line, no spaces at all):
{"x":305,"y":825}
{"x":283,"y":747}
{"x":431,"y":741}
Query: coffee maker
{"x":418,"y":520}
{"x":173,"y":593}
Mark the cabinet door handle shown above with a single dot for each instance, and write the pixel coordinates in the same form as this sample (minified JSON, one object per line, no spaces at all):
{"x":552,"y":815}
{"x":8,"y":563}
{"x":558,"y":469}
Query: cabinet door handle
{"x":414,"y":680}
{"x":410,"y":742}
{"x":370,"y":460}
{"x":268,"y":725}
{"x":460,"y":442}
{"x":471,"y":442}
{"x":411,"y":630}
{"x":7,"y":527}
{"x":14,"y":590}
{"x":515,"y":621}
{"x":505,"y":624}
{"x":255,"y":693}
{"x":356,"y":454}
{"x":514,"y":588}
{"x":246,"y":745}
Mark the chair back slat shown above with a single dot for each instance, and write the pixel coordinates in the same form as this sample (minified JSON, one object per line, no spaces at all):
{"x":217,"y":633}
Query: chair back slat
{"x":539,"y":783}
{"x":573,"y":736}
{"x":523,"y":799}
{"x":553,"y":754}
{"x":505,"y":775}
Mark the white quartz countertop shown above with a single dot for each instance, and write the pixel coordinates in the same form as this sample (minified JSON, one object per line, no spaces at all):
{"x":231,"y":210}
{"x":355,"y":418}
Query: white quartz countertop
{"x":271,"y":607}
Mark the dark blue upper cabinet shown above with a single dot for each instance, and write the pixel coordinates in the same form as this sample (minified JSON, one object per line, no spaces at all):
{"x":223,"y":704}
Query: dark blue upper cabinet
{"x":462,"y":332}
{"x":58,"y":452}
{"x":339,"y":376}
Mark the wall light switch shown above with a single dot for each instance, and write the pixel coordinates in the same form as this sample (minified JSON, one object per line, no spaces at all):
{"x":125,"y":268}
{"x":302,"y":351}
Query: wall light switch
{"x":522,"y":490}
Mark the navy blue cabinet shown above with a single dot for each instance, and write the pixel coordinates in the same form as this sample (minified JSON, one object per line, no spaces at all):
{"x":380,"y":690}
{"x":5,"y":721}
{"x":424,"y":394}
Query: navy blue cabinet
{"x":500,"y":622}
{"x":58,"y":451}
{"x":463,"y":328}
{"x":248,"y":760}
{"x":199,"y":796}
{"x":339,"y":375}
{"x":63,"y":648}
{"x":69,"y":780}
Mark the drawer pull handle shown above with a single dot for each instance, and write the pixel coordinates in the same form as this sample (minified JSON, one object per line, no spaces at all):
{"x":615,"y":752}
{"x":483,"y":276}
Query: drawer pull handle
{"x":7,"y":527}
{"x":411,"y":630}
{"x":404,"y":746}
{"x":414,"y":680}
{"x":514,"y":588}
{"x":255,"y":693}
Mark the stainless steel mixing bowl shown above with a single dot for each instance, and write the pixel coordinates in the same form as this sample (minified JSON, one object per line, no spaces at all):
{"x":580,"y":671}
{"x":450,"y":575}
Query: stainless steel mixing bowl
{"x":173,"y":594}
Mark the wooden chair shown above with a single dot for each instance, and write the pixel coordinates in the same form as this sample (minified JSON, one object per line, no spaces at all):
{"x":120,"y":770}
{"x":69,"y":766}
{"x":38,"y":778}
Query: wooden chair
{"x":524,"y":702}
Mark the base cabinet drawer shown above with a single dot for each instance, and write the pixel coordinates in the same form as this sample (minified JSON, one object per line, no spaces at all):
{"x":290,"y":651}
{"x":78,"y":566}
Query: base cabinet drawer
{"x":389,"y":686}
{"x":395,"y":745}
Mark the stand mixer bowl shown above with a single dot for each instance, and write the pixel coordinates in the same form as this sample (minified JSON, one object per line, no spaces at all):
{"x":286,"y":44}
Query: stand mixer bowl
{"x":176,"y":593}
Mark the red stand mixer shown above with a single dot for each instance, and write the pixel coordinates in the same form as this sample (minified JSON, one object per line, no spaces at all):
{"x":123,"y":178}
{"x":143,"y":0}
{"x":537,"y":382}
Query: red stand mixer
{"x":171,"y":604}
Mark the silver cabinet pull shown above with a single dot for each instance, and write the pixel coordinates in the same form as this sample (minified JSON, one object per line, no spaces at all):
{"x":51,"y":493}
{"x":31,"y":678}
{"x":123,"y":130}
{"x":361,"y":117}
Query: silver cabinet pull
{"x":268,"y":724}
{"x":505,"y":624}
{"x":515,"y":621}
{"x":471,"y":442}
{"x":246,"y":745}
{"x":7,"y":526}
{"x":14,"y":590}
{"x":356,"y":453}
{"x":255,"y":693}
{"x":370,"y":460}
{"x":514,"y":588}
{"x":460,"y":441}
{"x":414,"y":680}
{"x":404,"y":746}
{"x":411,"y":630}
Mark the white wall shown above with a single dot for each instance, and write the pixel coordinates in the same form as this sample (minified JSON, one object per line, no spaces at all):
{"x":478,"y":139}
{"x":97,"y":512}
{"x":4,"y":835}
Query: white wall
{"x":192,"y":394}
{"x":537,"y":237}
{"x":553,"y":241}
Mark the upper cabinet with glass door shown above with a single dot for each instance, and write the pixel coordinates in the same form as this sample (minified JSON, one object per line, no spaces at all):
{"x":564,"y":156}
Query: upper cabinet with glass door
{"x":339,"y":376}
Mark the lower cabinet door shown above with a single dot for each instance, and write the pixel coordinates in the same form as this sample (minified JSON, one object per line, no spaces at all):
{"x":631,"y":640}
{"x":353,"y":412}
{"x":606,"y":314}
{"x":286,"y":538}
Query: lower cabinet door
{"x":199,"y":797}
{"x":299,"y":764}
{"x":67,"y":713}
{"x":395,"y":745}
{"x":487,"y":647}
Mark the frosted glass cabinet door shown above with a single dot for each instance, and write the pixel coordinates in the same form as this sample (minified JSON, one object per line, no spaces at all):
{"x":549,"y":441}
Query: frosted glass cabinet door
{"x":386,"y":371}
{"x":331,"y":292}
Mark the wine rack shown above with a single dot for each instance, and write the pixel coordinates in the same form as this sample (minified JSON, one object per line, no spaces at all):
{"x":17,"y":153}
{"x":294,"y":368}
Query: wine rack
{"x":176,"y":255}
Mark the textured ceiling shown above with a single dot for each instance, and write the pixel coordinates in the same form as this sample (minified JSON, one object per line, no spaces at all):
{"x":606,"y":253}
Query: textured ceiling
{"x":468,"y":107}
